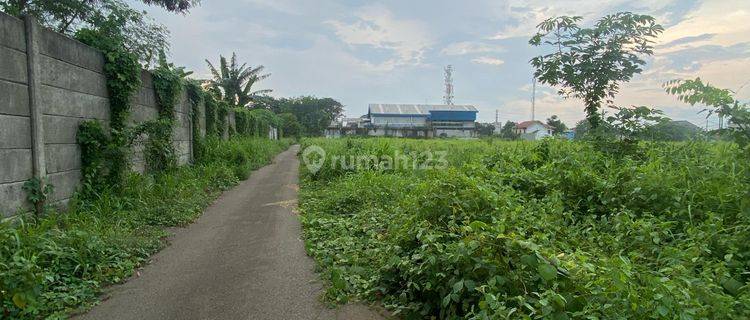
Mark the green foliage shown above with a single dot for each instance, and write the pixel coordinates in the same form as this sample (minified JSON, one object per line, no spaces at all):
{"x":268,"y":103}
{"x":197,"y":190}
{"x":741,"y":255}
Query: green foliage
{"x":509,"y":131}
{"x":53,"y":265}
{"x":232,"y":83}
{"x":212,"y":128}
{"x":255,"y":122}
{"x":196,"y":97}
{"x":720,"y":101}
{"x":313,"y":114}
{"x":105,"y":156}
{"x":139,"y":33}
{"x":531,"y":230}
{"x":485,"y":129}
{"x":558,"y":127}
{"x":631,"y":123}
{"x":290,"y":127}
{"x":590,"y":63}
{"x":160,"y":153}
{"x":243,"y":154}
{"x":37,"y":192}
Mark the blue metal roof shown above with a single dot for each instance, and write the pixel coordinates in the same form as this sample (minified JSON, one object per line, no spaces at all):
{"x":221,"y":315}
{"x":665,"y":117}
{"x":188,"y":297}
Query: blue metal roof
{"x":442,"y":115}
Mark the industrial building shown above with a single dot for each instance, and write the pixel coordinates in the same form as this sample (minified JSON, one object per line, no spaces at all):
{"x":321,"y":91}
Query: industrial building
{"x":410,"y":120}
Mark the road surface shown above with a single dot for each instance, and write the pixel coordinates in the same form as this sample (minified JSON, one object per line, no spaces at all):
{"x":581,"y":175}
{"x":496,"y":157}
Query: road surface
{"x":243,"y":259}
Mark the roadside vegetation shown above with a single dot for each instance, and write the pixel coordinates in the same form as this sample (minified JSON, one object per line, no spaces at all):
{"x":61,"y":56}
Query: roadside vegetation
{"x":551,"y":229}
{"x":58,"y":263}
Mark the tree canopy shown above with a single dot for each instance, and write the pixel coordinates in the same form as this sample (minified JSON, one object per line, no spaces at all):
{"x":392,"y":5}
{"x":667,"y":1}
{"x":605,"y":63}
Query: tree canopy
{"x":557,"y":125}
{"x":141,"y":35}
{"x":313,"y":114}
{"x":590,"y":63}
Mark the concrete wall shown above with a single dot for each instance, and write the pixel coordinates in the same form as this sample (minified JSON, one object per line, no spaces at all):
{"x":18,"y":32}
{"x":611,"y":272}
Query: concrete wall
{"x":49,"y":84}
{"x":15,"y":115}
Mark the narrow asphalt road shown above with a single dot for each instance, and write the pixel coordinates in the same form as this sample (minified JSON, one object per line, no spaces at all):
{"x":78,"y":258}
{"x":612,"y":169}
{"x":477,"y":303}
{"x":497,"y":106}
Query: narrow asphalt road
{"x":243,"y":259}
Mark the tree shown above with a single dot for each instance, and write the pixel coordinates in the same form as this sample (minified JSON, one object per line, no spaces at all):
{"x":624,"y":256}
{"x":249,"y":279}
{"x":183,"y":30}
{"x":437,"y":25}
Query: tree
{"x":290,"y":127}
{"x":314,"y":114}
{"x":720,"y":101}
{"x":141,"y":34}
{"x":233,"y":83}
{"x":632,"y":123}
{"x":485,"y":129}
{"x":673,"y":131}
{"x":590,"y":63}
{"x":557,"y":125}
{"x":509,"y":131}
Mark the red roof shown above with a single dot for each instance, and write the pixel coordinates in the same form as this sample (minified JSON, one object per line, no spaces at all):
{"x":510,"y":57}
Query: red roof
{"x":526,"y":124}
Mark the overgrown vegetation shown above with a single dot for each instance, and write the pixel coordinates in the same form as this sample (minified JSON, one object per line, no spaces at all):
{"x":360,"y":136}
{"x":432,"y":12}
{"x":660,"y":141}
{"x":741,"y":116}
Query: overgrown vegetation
{"x":53,"y":265}
{"x":521,"y":230}
{"x":104,"y":155}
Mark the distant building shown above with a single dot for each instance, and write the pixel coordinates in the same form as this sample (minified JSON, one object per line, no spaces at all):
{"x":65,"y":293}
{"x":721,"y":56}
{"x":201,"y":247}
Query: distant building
{"x":533,"y":130}
{"x":411,"y":120}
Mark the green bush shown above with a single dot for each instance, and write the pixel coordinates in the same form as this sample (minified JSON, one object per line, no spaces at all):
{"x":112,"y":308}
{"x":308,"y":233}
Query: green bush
{"x":551,"y":229}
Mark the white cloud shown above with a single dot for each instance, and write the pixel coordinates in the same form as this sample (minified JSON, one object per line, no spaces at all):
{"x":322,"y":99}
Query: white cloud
{"x":488,"y":60}
{"x":468,"y":47}
{"x":376,"y":26}
{"x":727,"y":21}
{"x":525,"y":15}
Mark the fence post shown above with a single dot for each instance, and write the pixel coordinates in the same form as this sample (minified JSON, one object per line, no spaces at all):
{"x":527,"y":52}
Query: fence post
{"x":32,"y":30}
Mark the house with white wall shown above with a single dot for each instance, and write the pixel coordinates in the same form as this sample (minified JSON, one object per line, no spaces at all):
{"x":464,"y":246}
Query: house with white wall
{"x":533,"y":130}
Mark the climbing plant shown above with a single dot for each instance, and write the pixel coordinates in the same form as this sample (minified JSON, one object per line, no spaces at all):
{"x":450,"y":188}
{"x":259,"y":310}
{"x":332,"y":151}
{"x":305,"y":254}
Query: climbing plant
{"x":211,"y":115}
{"x":159,"y":152}
{"x":123,"y":79}
{"x":195,"y":97}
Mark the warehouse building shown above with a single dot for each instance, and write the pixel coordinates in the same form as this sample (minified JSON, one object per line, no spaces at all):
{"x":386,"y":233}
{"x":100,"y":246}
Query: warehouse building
{"x":422,"y":120}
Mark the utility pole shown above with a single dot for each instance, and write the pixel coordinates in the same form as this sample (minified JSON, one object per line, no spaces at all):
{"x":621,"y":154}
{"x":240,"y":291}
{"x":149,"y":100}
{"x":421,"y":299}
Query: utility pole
{"x":448,"y":97}
{"x":533,"y":99}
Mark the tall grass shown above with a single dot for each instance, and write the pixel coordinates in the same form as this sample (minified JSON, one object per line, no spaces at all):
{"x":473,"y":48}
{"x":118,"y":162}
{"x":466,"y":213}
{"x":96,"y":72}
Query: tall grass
{"x":550,"y":229}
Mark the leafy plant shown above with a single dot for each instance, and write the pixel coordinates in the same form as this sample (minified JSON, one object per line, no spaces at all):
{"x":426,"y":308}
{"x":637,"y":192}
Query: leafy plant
{"x":233,"y":83}
{"x":37,"y":192}
{"x":719,"y":101}
{"x":533,"y":230}
{"x":590,"y":63}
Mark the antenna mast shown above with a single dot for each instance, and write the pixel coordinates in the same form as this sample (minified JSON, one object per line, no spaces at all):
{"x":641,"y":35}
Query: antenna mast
{"x":448,"y":97}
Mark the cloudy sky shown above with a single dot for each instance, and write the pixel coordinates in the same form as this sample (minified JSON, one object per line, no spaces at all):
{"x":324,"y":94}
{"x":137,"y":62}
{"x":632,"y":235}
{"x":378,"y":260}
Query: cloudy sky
{"x":361,"y":52}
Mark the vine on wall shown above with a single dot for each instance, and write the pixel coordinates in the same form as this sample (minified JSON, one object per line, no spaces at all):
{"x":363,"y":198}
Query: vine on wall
{"x":195,"y":97}
{"x":159,"y":152}
{"x":97,"y":145}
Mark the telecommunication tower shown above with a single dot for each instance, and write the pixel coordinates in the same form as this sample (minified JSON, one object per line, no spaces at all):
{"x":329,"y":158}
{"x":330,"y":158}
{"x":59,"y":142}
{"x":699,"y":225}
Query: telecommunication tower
{"x":448,"y":97}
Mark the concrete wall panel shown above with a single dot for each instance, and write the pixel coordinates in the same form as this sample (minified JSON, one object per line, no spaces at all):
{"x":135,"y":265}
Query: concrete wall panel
{"x":68,"y":76}
{"x":12,"y":34}
{"x":13,"y":65}
{"x":14,"y":98}
{"x":69,"y":50}
{"x":15,"y":165}
{"x":12,"y":198}
{"x":15,"y":132}
{"x":62,"y":157}
{"x":58,"y":129}
{"x":57,"y":101}
{"x":65,"y":184}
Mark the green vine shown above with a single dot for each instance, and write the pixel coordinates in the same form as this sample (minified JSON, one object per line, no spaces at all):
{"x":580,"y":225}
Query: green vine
{"x":159,"y":151}
{"x":123,"y":79}
{"x":195,"y":97}
{"x":37,"y":192}
{"x":211,"y":116}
